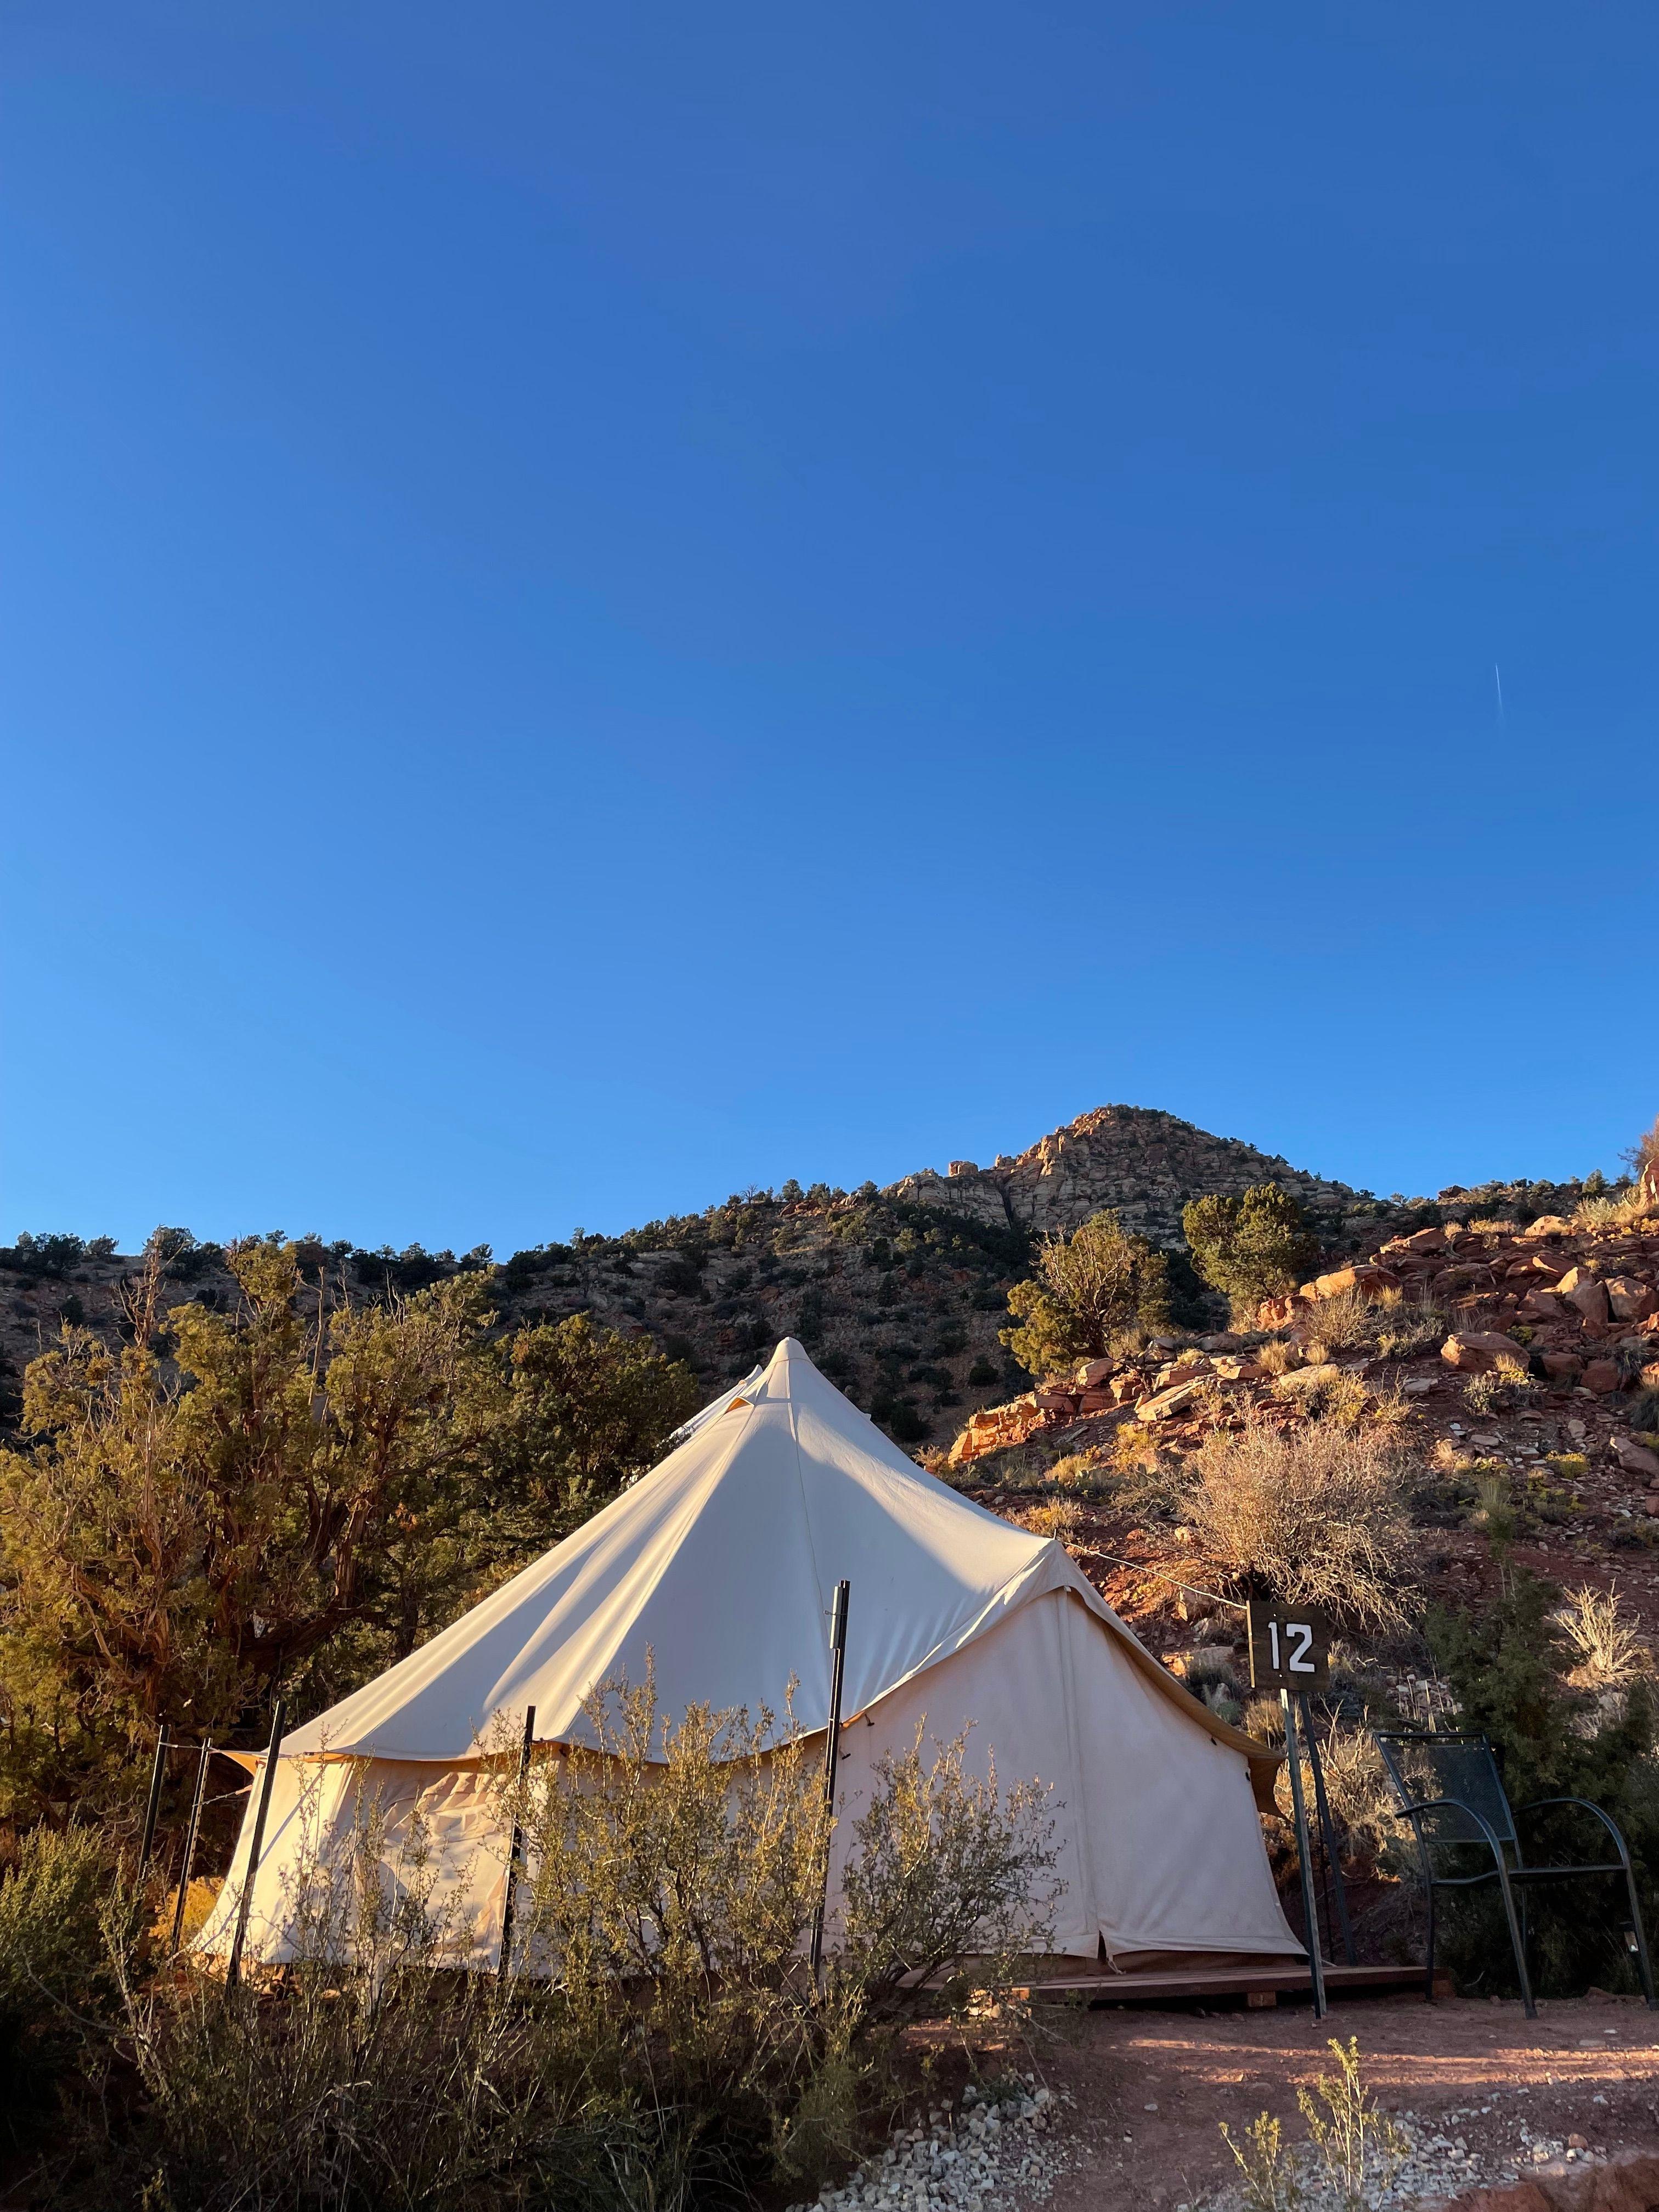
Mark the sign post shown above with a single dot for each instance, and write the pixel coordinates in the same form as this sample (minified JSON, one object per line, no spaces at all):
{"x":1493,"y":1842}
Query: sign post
{"x":1290,"y":1652}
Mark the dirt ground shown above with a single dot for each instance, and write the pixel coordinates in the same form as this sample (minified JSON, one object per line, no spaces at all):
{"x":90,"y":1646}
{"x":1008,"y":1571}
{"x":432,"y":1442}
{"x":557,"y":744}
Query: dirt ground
{"x":1150,"y":2087}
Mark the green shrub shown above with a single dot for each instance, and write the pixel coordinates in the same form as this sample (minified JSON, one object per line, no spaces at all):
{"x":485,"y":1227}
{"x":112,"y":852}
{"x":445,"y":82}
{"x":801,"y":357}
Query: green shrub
{"x":54,"y":1967}
{"x":1088,"y":1289}
{"x":984,"y":1372}
{"x":1500,"y":1388}
{"x":901,"y":1421}
{"x":1506,"y":1663}
{"x":947,"y":1875}
{"x":54,"y":1254}
{"x":1251,"y":1248}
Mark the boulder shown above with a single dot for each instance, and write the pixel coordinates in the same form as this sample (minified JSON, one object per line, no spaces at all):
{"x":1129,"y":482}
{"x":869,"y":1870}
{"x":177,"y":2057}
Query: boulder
{"x":1628,"y":2183}
{"x":1475,"y":1352}
{"x":1631,"y":1299}
{"x":1585,"y":1291}
{"x":1163,"y":1403}
{"x":1542,"y":1305}
{"x":1547,"y":1225}
{"x":995,"y":1428}
{"x":1600,"y":1376}
{"x":1314,"y":1377}
{"x":1562,"y":1366}
{"x":1635,"y":1459}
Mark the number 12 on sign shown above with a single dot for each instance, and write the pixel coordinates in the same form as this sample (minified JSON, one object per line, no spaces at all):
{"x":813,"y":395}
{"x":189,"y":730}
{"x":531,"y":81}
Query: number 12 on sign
{"x":1290,"y":1646}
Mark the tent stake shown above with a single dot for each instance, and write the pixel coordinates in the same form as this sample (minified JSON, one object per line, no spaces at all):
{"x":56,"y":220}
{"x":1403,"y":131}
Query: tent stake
{"x":199,"y":1793}
{"x":515,"y":1854}
{"x":1304,"y":1855}
{"x":233,"y":1971}
{"x":831,"y":1760}
{"x":158,"y":1775}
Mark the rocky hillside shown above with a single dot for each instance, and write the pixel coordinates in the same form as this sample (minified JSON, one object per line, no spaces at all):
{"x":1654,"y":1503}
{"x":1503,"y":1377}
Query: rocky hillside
{"x":898,"y":1293}
{"x":1516,"y":1366}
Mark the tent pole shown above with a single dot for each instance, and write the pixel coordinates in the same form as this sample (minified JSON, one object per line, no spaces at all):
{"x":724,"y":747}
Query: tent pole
{"x":256,"y":1844}
{"x":515,"y":1854}
{"x":831,"y":1760}
{"x":1304,"y":1855}
{"x":199,"y":1793}
{"x":158,"y":1775}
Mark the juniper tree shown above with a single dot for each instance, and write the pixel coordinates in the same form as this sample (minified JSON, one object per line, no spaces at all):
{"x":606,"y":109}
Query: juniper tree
{"x":1251,"y":1248}
{"x":1088,"y":1289}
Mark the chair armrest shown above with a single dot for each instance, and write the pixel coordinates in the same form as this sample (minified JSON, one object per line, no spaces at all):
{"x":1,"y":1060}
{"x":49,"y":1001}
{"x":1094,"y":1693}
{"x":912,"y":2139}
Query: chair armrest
{"x":1451,"y":1805}
{"x":1541,"y":1804}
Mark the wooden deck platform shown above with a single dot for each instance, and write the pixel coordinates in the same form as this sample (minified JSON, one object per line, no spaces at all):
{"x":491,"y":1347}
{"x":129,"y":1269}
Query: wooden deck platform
{"x":1262,"y":1985}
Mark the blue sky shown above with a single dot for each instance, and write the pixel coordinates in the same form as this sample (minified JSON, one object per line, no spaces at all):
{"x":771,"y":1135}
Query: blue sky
{"x":603,"y":606}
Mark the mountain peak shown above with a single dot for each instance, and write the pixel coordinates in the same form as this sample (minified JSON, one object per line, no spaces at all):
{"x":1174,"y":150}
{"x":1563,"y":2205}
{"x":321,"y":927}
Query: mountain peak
{"x":1140,"y":1161}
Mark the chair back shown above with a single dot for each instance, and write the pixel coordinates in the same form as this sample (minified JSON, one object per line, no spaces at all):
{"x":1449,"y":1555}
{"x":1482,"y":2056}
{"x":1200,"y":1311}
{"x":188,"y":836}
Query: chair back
{"x":1461,"y":1767}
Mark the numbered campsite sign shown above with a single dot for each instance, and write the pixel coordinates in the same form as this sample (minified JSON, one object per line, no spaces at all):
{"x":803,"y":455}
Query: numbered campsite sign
{"x":1290,"y":1646}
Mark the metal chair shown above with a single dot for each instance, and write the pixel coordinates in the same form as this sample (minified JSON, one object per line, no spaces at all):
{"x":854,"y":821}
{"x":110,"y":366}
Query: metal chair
{"x":1449,"y":1790}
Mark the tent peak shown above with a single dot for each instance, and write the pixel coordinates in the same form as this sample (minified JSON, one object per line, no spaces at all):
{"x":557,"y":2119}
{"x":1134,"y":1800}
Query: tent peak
{"x":788,"y":1364}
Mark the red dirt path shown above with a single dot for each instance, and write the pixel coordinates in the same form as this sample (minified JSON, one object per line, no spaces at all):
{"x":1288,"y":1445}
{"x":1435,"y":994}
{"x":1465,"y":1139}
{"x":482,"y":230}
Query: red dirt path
{"x":1199,"y":2070}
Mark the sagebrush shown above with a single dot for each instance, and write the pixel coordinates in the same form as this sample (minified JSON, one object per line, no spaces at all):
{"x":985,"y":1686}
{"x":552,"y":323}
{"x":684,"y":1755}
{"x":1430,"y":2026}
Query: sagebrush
{"x":1314,"y":1513}
{"x":660,"y":2042}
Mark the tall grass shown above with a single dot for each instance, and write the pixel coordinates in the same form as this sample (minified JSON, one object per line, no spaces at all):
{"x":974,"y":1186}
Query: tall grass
{"x":1604,"y":1645}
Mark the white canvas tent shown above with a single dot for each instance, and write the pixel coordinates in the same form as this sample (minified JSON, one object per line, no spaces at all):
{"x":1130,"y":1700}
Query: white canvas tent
{"x":717,"y":1569}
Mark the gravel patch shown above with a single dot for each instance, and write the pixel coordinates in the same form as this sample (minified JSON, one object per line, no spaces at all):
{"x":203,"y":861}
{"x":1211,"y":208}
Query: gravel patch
{"x":1439,"y":2163}
{"x":994,"y":2150}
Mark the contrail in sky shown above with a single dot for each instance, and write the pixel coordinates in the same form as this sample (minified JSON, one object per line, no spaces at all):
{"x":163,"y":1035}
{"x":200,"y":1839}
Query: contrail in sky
{"x":1499,"y":681}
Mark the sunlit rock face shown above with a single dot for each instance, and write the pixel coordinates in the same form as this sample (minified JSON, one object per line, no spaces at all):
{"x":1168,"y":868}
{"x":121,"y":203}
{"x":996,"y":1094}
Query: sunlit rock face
{"x":1143,"y":1164}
